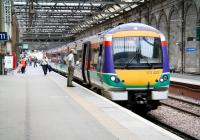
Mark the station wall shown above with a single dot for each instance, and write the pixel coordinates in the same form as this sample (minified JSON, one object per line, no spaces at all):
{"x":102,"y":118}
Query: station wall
{"x":177,"y":19}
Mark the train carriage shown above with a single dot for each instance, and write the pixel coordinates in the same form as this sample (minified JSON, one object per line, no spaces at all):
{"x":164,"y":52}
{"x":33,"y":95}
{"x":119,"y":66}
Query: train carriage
{"x":127,"y":63}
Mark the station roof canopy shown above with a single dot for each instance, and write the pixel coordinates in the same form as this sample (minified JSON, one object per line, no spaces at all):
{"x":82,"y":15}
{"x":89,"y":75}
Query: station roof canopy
{"x":58,"y":19}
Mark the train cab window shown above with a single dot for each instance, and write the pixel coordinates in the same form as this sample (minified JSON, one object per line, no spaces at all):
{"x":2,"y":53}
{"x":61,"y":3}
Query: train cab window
{"x":137,"y":52}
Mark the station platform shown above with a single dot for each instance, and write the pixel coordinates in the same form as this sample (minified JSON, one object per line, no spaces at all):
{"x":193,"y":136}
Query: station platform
{"x":38,"y":107}
{"x":186,"y":78}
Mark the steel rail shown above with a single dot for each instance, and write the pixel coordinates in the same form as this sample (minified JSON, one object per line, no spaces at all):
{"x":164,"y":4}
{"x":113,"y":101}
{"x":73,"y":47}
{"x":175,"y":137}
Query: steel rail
{"x":182,"y":100}
{"x":180,"y":109}
{"x":170,"y":128}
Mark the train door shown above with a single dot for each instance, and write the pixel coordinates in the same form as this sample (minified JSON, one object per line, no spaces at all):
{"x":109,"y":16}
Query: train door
{"x":99,"y":64}
{"x":86,"y":62}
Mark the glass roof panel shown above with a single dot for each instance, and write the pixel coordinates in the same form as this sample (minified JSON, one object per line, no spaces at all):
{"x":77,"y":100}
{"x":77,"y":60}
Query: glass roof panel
{"x":133,"y":6}
{"x":111,"y":9}
{"x":127,"y":9}
{"x":67,"y":15}
{"x":116,"y":7}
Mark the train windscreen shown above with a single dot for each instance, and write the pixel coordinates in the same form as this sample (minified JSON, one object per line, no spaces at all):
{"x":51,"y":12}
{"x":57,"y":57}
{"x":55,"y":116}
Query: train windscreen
{"x":137,"y":52}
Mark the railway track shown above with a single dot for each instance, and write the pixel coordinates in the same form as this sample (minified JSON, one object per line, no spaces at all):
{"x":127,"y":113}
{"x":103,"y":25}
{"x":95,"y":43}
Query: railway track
{"x":170,"y":128}
{"x":183,"y":105}
{"x":186,"y":107}
{"x":183,"y":100}
{"x":180,"y":109}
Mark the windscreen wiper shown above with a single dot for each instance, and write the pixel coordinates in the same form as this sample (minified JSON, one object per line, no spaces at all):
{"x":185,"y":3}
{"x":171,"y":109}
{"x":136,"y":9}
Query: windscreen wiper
{"x":129,"y":62}
{"x":136,"y":57}
{"x":147,"y":41}
{"x":150,"y":64}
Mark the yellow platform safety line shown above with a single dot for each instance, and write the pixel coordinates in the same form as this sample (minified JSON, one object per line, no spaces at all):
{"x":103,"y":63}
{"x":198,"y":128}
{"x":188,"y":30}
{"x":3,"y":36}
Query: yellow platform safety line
{"x":139,"y":77}
{"x":135,"y":33}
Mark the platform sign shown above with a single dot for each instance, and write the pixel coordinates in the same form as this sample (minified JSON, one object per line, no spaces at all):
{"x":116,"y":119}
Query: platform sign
{"x":190,"y":49}
{"x":8,"y":62}
{"x":3,"y":36}
{"x":25,"y":46}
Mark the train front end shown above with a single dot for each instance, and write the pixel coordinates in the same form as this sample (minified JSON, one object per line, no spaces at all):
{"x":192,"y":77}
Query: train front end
{"x":136,"y":66}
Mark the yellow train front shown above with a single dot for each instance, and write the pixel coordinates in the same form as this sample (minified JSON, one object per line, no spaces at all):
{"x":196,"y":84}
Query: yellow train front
{"x":135,"y":65}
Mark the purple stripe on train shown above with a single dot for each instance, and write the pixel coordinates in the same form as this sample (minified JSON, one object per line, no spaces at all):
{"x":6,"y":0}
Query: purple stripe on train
{"x":165,"y":59}
{"x":108,"y":66}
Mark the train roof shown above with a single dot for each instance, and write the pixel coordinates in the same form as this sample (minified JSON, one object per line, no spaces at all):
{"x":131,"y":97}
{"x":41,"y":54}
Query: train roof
{"x":123,"y":27}
{"x":132,"y":26}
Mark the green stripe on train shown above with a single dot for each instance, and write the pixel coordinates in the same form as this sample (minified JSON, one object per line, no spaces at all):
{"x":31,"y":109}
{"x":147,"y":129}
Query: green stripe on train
{"x":106,"y":78}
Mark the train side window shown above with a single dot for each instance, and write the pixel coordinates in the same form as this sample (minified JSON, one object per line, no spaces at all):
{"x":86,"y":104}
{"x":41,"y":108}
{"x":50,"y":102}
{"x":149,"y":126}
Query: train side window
{"x":78,"y":57}
{"x":99,"y":58}
{"x":94,"y":58}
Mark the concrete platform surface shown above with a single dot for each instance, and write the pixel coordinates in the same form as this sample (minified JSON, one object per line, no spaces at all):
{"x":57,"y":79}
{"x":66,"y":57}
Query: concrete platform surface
{"x":38,"y":107}
{"x":186,"y":78}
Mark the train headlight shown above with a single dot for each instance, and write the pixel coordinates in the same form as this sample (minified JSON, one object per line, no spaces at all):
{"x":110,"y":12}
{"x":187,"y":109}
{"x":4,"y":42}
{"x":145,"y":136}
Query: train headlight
{"x":165,"y":77}
{"x":113,"y":78}
{"x":161,"y":80}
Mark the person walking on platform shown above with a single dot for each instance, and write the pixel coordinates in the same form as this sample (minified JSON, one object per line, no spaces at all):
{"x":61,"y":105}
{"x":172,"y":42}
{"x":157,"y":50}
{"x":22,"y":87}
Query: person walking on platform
{"x":23,"y":65}
{"x":70,"y":62}
{"x":35,"y":62}
{"x":44,"y":64}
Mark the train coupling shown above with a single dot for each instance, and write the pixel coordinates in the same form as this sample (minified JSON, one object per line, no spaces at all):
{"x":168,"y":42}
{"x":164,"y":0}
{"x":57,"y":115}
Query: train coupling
{"x":141,"y":100}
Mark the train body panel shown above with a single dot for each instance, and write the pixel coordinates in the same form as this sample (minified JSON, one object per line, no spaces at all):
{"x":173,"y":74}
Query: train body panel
{"x":134,"y":77}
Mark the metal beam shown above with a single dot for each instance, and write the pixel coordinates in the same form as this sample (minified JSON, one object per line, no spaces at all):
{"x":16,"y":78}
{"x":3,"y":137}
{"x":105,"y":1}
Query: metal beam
{"x":52,"y":21}
{"x":59,"y":12}
{"x":23,"y":14}
{"x":39,"y":19}
{"x":36,"y":23}
{"x":83,"y":1}
{"x":59,"y":7}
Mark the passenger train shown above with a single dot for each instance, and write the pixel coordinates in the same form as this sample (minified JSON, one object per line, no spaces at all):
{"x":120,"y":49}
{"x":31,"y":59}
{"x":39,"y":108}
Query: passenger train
{"x":126,"y":63}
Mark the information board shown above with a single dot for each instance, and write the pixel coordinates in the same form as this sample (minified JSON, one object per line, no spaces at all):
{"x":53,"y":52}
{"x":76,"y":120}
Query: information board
{"x":3,"y":36}
{"x":8,"y":62}
{"x":25,"y":46}
{"x":190,"y":49}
